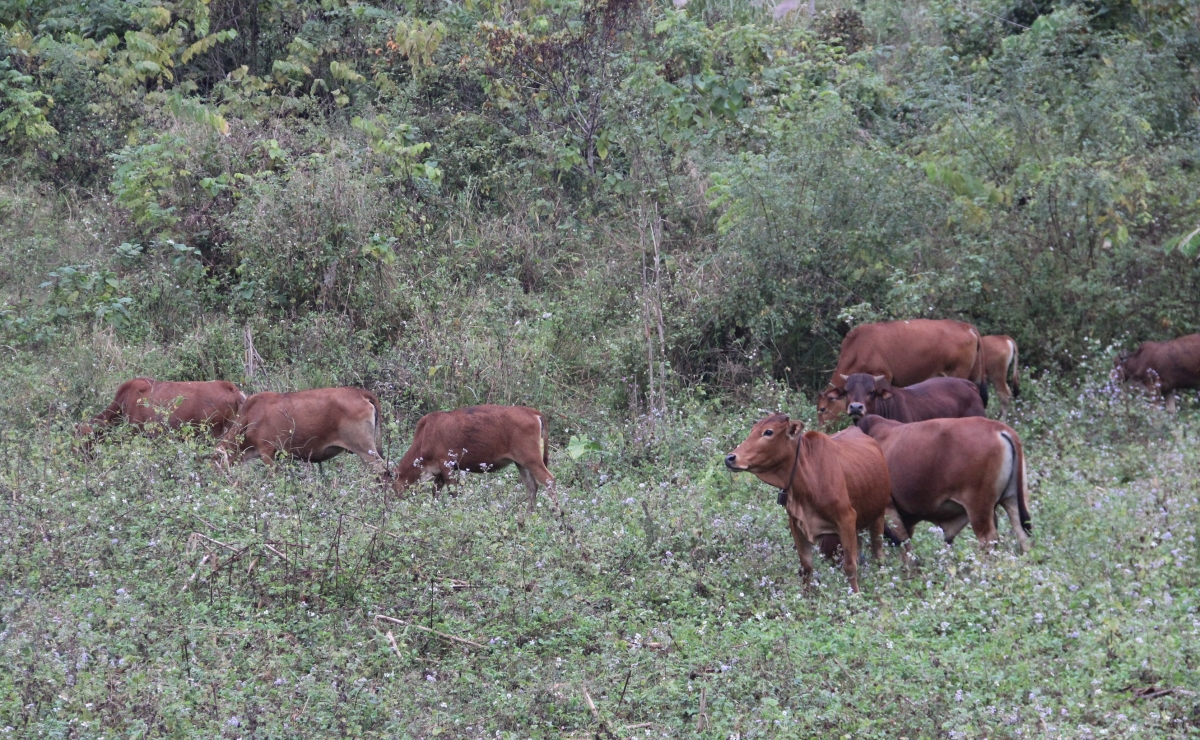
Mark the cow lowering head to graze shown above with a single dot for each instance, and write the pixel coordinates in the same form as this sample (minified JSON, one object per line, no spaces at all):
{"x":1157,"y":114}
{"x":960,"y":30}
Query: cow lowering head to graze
{"x":999,"y":358}
{"x":478,"y":439}
{"x":936,"y":398}
{"x":210,"y":405}
{"x":953,"y":472}
{"x":830,"y":486}
{"x":1163,"y":366}
{"x":312,"y":425}
{"x":904,"y":353}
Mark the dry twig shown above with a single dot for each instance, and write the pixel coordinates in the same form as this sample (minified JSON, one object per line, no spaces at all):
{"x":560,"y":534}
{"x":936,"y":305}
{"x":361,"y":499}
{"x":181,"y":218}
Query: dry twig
{"x":452,"y":638}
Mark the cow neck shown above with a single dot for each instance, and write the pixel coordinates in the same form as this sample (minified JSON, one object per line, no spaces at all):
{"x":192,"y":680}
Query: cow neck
{"x":783,"y":492}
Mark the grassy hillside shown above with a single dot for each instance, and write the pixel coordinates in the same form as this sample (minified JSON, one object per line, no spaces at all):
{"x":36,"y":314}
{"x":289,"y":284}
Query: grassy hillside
{"x":147,"y":593}
{"x":654,"y":221}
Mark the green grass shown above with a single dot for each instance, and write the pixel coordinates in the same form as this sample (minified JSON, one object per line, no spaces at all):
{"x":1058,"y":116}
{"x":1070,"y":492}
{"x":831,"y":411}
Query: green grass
{"x":122,"y":616}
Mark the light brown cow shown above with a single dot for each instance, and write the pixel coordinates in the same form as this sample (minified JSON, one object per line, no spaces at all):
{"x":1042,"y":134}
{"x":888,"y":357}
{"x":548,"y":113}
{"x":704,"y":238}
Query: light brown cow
{"x":1163,"y":366}
{"x":830,"y":486}
{"x":904,"y":353}
{"x":212,"y":405}
{"x":999,"y":357}
{"x":478,"y":439}
{"x":312,"y":425}
{"x":953,"y":472}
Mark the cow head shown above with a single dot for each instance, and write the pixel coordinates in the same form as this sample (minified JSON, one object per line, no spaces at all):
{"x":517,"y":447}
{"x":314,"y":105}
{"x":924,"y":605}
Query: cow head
{"x":831,"y":403}
{"x":771,"y":445}
{"x":863,"y":391}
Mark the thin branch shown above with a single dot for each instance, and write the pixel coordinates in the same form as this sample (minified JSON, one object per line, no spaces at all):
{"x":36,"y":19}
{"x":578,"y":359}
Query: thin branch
{"x":432,"y":631}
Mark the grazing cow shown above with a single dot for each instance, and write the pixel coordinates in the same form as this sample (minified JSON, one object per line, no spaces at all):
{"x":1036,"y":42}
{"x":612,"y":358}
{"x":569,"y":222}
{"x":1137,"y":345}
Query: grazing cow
{"x":999,"y":356}
{"x":1163,"y":366}
{"x":830,"y":486}
{"x":478,"y":439}
{"x":954,"y":471}
{"x":212,"y":405}
{"x":904,"y":353}
{"x":312,"y":425}
{"x":936,"y":398}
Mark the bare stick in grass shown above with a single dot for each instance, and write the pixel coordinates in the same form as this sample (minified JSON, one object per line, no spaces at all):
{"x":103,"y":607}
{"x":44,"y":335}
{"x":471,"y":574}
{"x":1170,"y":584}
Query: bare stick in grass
{"x":443,"y":635}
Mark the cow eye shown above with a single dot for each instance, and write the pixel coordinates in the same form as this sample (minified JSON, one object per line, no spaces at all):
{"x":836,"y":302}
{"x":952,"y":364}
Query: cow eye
{"x":768,"y":432}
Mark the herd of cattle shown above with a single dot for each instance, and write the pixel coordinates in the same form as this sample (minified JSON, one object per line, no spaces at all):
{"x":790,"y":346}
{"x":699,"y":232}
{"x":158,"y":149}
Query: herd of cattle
{"x":921,"y":448}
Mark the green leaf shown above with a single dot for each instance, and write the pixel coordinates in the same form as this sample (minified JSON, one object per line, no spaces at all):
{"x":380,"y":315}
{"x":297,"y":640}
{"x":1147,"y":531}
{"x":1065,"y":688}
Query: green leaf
{"x":580,"y":446}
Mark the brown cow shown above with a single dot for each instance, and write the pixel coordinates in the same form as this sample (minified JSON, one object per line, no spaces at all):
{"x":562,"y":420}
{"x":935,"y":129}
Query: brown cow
{"x":936,"y":398}
{"x":1163,"y":366}
{"x":999,"y":356}
{"x":830,"y":486}
{"x":954,"y":471}
{"x":209,"y":404}
{"x":905,"y":353}
{"x":478,"y":439}
{"x":313,"y":425}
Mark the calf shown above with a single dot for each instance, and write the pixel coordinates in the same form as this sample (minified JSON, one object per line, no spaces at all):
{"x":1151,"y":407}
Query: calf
{"x":954,"y":471}
{"x":830,"y":486}
{"x":1000,"y":356}
{"x":312,"y":425}
{"x":211,"y":405}
{"x":936,"y":398}
{"x":1163,"y":366}
{"x":478,"y":439}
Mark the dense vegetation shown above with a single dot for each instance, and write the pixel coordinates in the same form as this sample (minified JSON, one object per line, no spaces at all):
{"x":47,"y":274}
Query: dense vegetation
{"x":653,"y":221}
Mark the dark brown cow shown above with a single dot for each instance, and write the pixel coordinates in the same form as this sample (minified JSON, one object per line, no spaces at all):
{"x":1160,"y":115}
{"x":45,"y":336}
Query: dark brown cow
{"x":952,"y":472}
{"x":1163,"y":366}
{"x":905,"y":353}
{"x":478,"y":439}
{"x":936,"y":398}
{"x":212,"y":405}
{"x":1000,"y":356}
{"x":312,"y":425}
{"x":830,"y":486}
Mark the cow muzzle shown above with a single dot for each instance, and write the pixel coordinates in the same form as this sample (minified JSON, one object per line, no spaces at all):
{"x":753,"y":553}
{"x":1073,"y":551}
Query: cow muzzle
{"x":731,"y":462}
{"x":856,"y":410}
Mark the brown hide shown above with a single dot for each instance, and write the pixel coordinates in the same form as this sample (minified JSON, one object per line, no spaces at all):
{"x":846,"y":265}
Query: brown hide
{"x":953,"y":472}
{"x":478,"y":439}
{"x":312,"y":425}
{"x":1163,"y":366}
{"x":999,"y":356}
{"x":209,"y":404}
{"x":905,"y":353}
{"x":835,"y":487}
{"x":936,"y":398}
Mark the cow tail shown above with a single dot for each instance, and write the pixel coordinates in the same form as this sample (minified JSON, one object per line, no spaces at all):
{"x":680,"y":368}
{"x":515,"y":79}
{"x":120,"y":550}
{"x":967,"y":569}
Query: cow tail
{"x":1016,"y":374}
{"x":545,"y":441}
{"x":1017,"y":478}
{"x":378,"y":423}
{"x":978,"y":372}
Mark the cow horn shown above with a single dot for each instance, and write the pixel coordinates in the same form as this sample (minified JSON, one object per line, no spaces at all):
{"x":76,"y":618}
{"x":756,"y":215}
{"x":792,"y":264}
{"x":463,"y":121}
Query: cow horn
{"x":880,"y":378}
{"x":844,"y":376}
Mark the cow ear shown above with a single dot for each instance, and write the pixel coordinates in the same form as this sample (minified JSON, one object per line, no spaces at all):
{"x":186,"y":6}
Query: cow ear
{"x":795,"y":428}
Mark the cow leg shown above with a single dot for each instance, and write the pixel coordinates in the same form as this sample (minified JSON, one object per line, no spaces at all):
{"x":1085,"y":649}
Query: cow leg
{"x":373,"y":461}
{"x":1170,"y":398}
{"x":900,"y":532}
{"x":877,"y":541}
{"x":804,"y":549}
{"x":1014,"y":518}
{"x":950,"y":529}
{"x":1005,"y":401}
{"x":540,"y":474}
{"x":531,"y":486}
{"x":848,"y":533}
{"x":983,"y":523}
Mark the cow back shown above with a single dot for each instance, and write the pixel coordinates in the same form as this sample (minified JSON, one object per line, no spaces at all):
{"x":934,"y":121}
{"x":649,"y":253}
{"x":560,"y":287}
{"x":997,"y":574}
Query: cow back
{"x":908,"y":352}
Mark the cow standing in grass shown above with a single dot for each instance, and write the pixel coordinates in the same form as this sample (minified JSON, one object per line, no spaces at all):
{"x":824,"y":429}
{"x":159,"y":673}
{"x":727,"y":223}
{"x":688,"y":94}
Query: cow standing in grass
{"x":478,"y":439}
{"x":954,"y":472}
{"x":831,"y":487}
{"x":312,"y":425}
{"x":1163,"y":367}
{"x":904,"y":353}
{"x":144,"y":402}
{"x":999,"y":358}
{"x":936,"y":398}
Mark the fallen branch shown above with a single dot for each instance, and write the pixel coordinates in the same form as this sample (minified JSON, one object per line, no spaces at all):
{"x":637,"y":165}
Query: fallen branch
{"x":392,"y":640}
{"x":215,"y":542}
{"x":595,"y":712}
{"x":272,"y":549}
{"x":203,"y":560}
{"x":431,"y":631}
